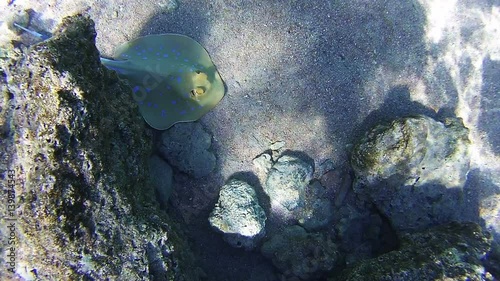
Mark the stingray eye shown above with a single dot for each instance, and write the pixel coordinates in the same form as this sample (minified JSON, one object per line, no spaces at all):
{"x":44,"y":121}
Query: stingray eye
{"x":196,"y":93}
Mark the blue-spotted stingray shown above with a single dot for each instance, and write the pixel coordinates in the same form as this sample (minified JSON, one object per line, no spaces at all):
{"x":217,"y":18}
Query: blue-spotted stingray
{"x":172,"y":77}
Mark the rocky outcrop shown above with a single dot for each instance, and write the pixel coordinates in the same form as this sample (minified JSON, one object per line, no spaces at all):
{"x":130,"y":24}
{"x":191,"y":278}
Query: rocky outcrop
{"x":449,"y":252}
{"x":413,"y":170}
{"x":75,"y":151}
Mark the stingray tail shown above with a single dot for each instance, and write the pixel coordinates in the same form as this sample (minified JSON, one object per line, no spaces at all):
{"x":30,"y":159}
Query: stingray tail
{"x":32,"y":32}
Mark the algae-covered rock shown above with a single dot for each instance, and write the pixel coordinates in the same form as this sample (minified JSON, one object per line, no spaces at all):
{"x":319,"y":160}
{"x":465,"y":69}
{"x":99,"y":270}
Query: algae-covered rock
{"x":450,"y":252}
{"x":297,"y":253}
{"x":413,"y":170}
{"x":419,"y":149}
{"x":238,"y":215}
{"x":76,"y":151}
{"x":286,"y":184}
{"x":186,"y":147}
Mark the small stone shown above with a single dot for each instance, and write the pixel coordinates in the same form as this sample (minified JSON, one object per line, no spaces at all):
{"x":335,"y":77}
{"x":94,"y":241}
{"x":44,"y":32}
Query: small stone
{"x":263,"y":163}
{"x":286,"y":184}
{"x":277,"y":145}
{"x":168,"y":5}
{"x":238,"y":215}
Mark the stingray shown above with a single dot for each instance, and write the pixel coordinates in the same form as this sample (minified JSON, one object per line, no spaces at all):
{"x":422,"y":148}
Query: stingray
{"x":172,"y":77}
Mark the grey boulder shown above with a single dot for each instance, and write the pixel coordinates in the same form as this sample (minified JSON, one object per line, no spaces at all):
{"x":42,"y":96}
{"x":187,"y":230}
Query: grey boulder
{"x":186,"y":147}
{"x":286,"y":184}
{"x":414,"y":170}
{"x":238,"y":215}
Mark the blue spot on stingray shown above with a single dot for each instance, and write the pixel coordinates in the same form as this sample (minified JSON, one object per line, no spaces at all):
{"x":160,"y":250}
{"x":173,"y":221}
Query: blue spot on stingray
{"x":192,"y":108}
{"x":165,"y":55}
{"x":157,"y":54}
{"x":148,"y":90}
{"x":140,"y":102}
{"x":186,"y":60}
{"x":144,"y":58}
{"x":169,"y":88}
{"x":135,"y":89}
{"x":182,"y":112}
{"x":164,"y":113}
{"x":174,"y":102}
{"x":150,"y":49}
{"x":155,"y":105}
{"x":150,"y":104}
{"x":179,"y":79}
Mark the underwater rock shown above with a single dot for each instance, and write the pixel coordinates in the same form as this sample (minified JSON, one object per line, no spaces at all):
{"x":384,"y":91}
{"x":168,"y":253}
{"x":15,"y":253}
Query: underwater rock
{"x":286,"y":184}
{"x":294,"y":196}
{"x":449,"y":252}
{"x":186,"y":147}
{"x":317,"y":211}
{"x":275,"y":146}
{"x":263,"y":164}
{"x":413,"y":170}
{"x":238,"y":215}
{"x":168,"y":5}
{"x":76,"y":149}
{"x":161,"y":176}
{"x":362,"y":234}
{"x":297,"y":253}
